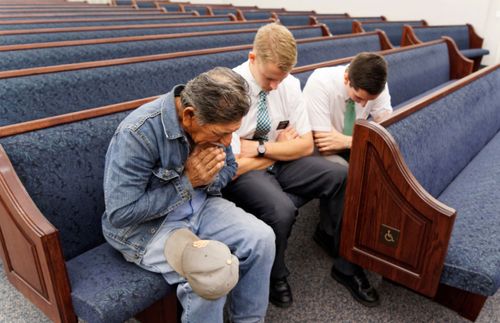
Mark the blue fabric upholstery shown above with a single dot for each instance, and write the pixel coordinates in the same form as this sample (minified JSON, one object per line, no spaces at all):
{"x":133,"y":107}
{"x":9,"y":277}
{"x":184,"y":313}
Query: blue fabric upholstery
{"x":171,"y":7}
{"x":474,"y":52}
{"x":62,"y":169}
{"x":415,"y":71}
{"x":224,"y":11}
{"x":452,"y":147}
{"x":315,"y":52}
{"x":19,"y":59}
{"x":142,"y":4}
{"x":93,"y":16}
{"x":421,"y":95}
{"x":75,"y":54}
{"x":394,"y":30}
{"x":294,"y":20}
{"x":37,"y":96}
{"x":307,"y":32}
{"x":61,"y":36}
{"x":202,"y":10}
{"x":165,"y":20}
{"x":438,"y":141}
{"x":256,"y":15}
{"x":473,"y":259}
{"x":460,"y":34}
{"x":107,"y":289}
{"x":338,"y":26}
{"x":123,"y":2}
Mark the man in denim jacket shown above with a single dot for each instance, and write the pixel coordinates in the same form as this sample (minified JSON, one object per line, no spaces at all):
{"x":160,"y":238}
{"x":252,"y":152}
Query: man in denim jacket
{"x":165,"y":167}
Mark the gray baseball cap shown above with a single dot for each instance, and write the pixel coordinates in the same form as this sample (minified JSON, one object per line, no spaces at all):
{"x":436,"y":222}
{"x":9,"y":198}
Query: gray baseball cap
{"x":208,"y":265}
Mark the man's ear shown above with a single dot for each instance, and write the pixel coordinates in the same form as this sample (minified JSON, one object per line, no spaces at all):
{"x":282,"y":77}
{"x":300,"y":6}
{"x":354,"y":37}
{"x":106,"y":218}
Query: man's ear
{"x":346,"y":78}
{"x":188,"y":117}
{"x":252,"y":56}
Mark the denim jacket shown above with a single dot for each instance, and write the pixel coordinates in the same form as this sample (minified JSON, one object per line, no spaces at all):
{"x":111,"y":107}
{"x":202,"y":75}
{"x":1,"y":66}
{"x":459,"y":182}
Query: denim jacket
{"x":144,"y":176}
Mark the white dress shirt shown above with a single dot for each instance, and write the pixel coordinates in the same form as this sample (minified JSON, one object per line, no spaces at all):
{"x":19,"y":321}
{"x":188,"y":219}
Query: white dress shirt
{"x":325,"y":95}
{"x":284,"y":104}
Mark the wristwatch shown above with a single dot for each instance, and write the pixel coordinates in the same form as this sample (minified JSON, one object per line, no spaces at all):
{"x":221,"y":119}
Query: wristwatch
{"x":261,"y":149}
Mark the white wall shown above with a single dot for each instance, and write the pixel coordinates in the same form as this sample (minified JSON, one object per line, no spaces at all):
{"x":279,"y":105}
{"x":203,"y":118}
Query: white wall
{"x":484,"y":15}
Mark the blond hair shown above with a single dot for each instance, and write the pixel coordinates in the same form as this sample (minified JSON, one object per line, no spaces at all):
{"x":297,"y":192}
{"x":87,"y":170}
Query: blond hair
{"x":274,"y":43}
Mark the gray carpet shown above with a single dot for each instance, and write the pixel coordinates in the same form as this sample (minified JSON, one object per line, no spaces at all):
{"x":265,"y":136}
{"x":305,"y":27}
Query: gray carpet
{"x":318,"y":298}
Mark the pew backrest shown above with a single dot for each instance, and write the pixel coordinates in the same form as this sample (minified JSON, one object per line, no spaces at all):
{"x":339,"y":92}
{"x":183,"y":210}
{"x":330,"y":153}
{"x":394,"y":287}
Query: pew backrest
{"x":393,"y":29}
{"x":36,"y":24}
{"x":79,"y":33}
{"x":46,"y":91}
{"x":20,"y":57}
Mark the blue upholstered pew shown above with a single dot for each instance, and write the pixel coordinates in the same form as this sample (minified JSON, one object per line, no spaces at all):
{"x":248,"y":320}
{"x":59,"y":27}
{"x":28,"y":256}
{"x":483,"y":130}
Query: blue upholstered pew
{"x":393,"y":29}
{"x":435,"y":164}
{"x":67,"y":268}
{"x":467,"y":40}
{"x":45,"y":91}
{"x":414,"y":71}
{"x":33,"y":55}
{"x":27,"y":24}
{"x":69,"y":17}
{"x":27,"y":36}
{"x":144,"y":4}
{"x":340,"y":26}
{"x":170,"y":7}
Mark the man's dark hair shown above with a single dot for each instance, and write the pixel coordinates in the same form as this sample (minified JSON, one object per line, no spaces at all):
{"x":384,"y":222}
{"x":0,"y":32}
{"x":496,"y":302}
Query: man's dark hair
{"x":368,"y":71}
{"x":217,"y":96}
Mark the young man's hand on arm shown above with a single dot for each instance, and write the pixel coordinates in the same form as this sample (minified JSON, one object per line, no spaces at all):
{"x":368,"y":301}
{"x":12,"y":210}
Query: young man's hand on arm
{"x":331,"y":142}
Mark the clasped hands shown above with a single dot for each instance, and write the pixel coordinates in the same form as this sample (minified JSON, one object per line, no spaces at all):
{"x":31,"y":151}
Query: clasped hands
{"x":204,"y":163}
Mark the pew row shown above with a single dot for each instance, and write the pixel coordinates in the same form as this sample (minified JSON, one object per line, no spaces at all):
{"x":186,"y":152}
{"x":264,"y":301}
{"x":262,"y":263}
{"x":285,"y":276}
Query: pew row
{"x":55,"y":23}
{"x":393,"y":29}
{"x":466,"y":38}
{"x":67,"y":52}
{"x":422,"y":201}
{"x":46,"y":91}
{"x":28,"y":36}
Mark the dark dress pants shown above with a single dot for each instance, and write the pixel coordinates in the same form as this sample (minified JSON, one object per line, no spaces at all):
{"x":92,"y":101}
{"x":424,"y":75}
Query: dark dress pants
{"x":264,"y":194}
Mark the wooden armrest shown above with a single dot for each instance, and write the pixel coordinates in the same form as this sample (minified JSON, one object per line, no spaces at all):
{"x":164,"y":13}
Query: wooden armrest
{"x":475,"y":41}
{"x":391,"y":225}
{"x":31,"y":250}
{"x":409,"y":38}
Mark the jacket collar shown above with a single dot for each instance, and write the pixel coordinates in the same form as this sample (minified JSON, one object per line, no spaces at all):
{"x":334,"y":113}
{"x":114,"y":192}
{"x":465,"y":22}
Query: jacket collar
{"x":169,"y":118}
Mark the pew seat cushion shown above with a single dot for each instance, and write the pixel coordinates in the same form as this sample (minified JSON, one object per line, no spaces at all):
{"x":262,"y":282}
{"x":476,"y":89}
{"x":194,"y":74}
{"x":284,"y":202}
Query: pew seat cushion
{"x":473,"y":259}
{"x":474,"y":52}
{"x":106,"y":288}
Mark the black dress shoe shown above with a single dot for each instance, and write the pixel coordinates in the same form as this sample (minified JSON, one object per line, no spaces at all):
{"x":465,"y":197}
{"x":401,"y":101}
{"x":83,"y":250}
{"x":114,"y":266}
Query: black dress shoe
{"x":324,"y":240}
{"x":280,"y":293}
{"x":359,"y":286}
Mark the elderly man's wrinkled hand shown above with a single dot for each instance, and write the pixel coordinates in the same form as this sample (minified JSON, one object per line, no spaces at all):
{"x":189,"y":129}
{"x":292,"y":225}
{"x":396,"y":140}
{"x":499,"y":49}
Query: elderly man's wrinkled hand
{"x":203,"y":164}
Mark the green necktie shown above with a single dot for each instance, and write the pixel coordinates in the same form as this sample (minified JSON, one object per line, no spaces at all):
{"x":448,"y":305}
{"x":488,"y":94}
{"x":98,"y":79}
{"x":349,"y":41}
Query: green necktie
{"x":349,"y":117}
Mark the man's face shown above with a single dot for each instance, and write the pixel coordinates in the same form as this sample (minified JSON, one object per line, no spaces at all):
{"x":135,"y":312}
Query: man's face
{"x":267,"y":75}
{"x":359,"y":96}
{"x":216,"y":133}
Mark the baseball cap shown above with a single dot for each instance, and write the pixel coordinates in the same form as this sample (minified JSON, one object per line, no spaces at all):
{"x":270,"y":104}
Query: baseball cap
{"x":208,"y":265}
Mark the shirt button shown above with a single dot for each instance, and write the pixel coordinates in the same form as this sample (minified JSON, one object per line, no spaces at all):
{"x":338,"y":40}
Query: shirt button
{"x":153,"y":231}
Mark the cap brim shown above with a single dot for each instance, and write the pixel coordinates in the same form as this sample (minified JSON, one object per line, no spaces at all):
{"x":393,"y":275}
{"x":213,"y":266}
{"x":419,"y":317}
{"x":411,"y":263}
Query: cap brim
{"x":174,"y":248}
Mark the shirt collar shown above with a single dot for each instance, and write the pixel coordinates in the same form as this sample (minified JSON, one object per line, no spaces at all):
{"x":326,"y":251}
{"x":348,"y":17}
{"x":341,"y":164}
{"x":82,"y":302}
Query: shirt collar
{"x":254,"y":87}
{"x":169,"y":117}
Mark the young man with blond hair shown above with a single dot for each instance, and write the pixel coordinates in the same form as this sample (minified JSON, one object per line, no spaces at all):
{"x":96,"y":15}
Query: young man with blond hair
{"x":273,"y":148}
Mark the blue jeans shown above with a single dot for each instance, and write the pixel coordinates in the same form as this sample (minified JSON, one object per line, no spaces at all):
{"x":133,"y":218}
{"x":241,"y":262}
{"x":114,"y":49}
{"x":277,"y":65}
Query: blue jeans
{"x":248,"y":238}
